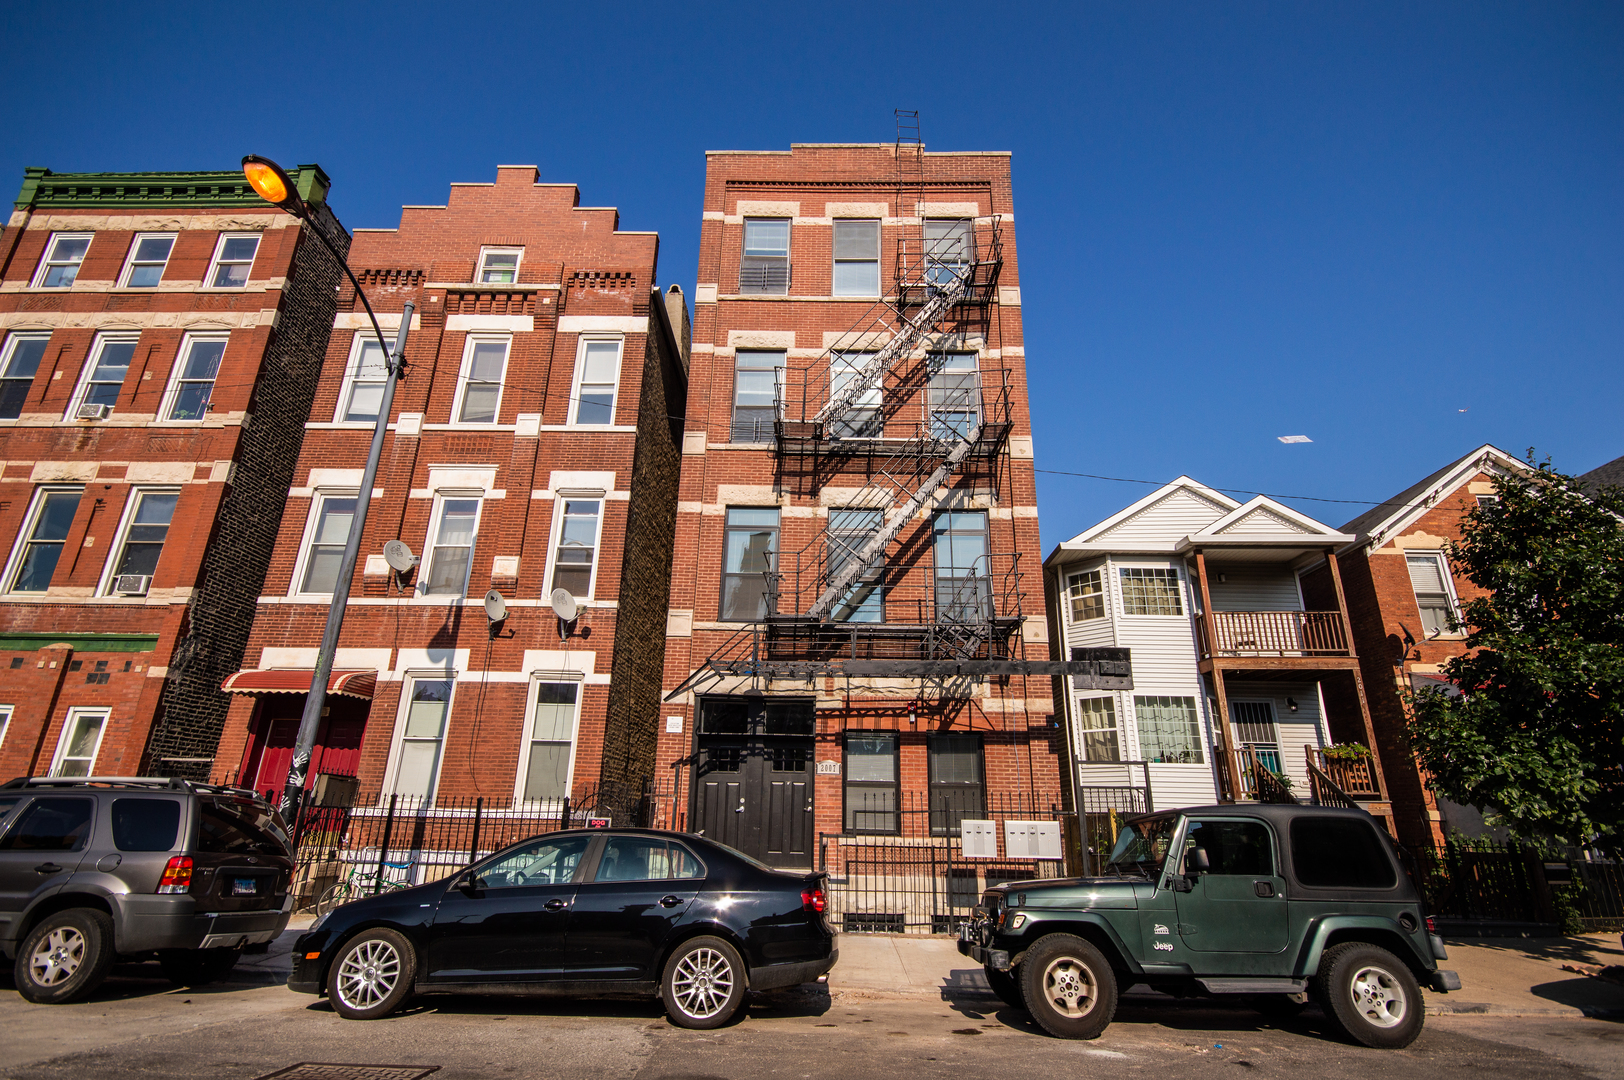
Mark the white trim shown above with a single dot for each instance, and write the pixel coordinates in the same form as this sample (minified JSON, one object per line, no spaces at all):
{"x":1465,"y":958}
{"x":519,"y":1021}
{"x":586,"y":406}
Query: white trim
{"x":498,"y":249}
{"x":1447,"y":575}
{"x":603,"y":324}
{"x":92,"y":358}
{"x":1154,"y":497}
{"x":352,"y":363}
{"x":302,"y":563}
{"x":1486,"y":458}
{"x":116,"y":551}
{"x":436,"y":517}
{"x":468,"y":346}
{"x":214,"y":261}
{"x":527,"y":736}
{"x":397,"y":738}
{"x":555,"y":531}
{"x":129,"y":259}
{"x":36,"y":282}
{"x":172,"y":387}
{"x":30,"y":520}
{"x":5,"y":723}
{"x":1263,"y":502}
{"x":580,"y":370}
{"x":74,"y":713}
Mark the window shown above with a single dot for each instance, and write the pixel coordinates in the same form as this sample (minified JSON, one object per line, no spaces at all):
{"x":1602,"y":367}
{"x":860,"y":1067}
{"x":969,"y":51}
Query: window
{"x":863,"y":419}
{"x":5,"y":722}
{"x":361,"y":396}
{"x":871,"y":784}
{"x":1339,"y":853}
{"x":575,"y":554}
{"x":947,"y":249}
{"x":857,"y":258}
{"x":233,"y":827}
{"x":233,"y":259}
{"x":329,"y":531}
{"x":956,"y":791}
{"x":757,"y":716}
{"x":545,"y":770}
{"x":597,"y":374}
{"x":63,"y":254}
{"x":1429,"y":577}
{"x":1234,"y":847}
{"x":540,"y":862}
{"x":1150,"y":591}
{"x":136,"y":552}
{"x":51,"y":824}
{"x":953,"y":395}
{"x":451,"y":547}
{"x":193,"y":384}
{"x":43,"y":534}
{"x":1087,"y":593}
{"x":765,"y":266}
{"x":145,"y":824}
{"x":758,"y":380}
{"x":422,"y":731}
{"x":1097,"y":720}
{"x":104,"y":374}
{"x":848,"y":531}
{"x":645,"y":858}
{"x":749,"y":555}
{"x":499,"y":266}
{"x":959,"y":546}
{"x":81,"y":738}
{"x":18,"y":365}
{"x":1487,"y":500}
{"x":1169,"y":731}
{"x":1254,"y":728}
{"x":148,"y":257}
{"x":479,"y":393}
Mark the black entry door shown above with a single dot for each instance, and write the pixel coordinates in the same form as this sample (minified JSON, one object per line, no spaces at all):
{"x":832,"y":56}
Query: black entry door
{"x":753,"y":778}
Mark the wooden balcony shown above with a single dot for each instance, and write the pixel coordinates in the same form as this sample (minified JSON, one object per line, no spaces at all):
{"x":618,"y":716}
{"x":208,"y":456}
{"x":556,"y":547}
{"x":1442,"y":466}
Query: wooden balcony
{"x":1272,"y":634}
{"x":1354,"y":776}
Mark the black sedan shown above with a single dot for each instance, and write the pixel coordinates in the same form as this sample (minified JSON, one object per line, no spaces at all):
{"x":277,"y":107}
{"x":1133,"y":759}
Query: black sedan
{"x":581,"y":912}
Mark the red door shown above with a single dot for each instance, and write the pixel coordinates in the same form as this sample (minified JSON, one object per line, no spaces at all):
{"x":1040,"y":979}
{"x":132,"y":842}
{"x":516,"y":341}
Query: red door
{"x":338,"y":740}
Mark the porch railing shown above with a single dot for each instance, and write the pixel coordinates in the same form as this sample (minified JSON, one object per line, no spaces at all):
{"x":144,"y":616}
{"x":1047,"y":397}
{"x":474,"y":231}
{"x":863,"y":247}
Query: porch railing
{"x":1354,"y":776}
{"x":1272,"y":633}
{"x":1258,"y":782}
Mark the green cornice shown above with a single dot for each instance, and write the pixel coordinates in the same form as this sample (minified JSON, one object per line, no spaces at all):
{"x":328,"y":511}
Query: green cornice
{"x":44,"y":190}
{"x":18,"y":642}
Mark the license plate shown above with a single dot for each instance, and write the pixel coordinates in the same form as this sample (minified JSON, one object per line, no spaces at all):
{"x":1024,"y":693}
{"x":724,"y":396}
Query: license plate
{"x":244,"y":886}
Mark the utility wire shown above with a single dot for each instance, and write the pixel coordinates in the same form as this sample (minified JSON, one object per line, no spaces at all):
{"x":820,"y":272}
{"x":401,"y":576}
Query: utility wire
{"x":1232,"y":491}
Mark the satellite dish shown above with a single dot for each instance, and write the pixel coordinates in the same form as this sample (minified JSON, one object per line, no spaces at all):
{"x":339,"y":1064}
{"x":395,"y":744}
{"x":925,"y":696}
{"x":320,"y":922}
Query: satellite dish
{"x":495,"y":606}
{"x":399,"y":556}
{"x":564,"y":605}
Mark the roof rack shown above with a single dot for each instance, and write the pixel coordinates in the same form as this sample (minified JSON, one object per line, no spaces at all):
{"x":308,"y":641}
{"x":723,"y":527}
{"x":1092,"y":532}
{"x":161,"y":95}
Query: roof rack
{"x":149,"y":783}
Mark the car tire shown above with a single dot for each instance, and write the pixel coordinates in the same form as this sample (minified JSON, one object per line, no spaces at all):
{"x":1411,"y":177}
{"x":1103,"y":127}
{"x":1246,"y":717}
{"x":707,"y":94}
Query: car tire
{"x":1068,"y":987}
{"x":1007,"y":985}
{"x":197,"y":967}
{"x":1371,"y":995}
{"x":703,"y":985}
{"x":65,"y":956}
{"x":371,"y":975}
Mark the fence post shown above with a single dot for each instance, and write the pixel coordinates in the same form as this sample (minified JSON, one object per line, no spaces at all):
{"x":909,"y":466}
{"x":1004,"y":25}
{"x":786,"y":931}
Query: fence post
{"x":473,"y":845}
{"x":383,"y":845}
{"x":1538,"y":888}
{"x":564,"y":814}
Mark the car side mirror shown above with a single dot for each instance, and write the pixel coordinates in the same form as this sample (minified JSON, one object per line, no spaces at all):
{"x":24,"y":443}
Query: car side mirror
{"x":468,"y":882}
{"x":1196,"y":862}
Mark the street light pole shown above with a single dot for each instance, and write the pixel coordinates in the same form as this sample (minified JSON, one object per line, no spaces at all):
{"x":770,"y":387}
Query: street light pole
{"x":274,"y":186}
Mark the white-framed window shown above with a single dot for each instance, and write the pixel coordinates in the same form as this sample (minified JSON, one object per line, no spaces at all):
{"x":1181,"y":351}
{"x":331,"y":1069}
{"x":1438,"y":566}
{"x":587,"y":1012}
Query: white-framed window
{"x":59,"y":268}
{"x":1487,"y":500}
{"x":758,"y":383}
{"x":1097,"y":725}
{"x":547,"y":756}
{"x":81,"y":738}
{"x":233,"y":260}
{"x":425,"y":709}
{"x":1086,"y":591}
{"x":575,"y":545}
{"x":764,"y":266}
{"x":953,"y":394}
{"x":41,"y":539}
{"x":149,"y":254}
{"x":450,"y":547}
{"x":597,"y":375}
{"x":499,"y":265}
{"x":331,"y":513}
{"x":1149,"y":590}
{"x":364,"y":375}
{"x":5,"y":723}
{"x":864,"y":420}
{"x":1434,"y":592}
{"x":947,"y":248}
{"x":1169,"y":729}
{"x":479,"y":388}
{"x":141,"y":536}
{"x":857,"y":258}
{"x":18,"y":366}
{"x":104,"y":372}
{"x":191,"y":383}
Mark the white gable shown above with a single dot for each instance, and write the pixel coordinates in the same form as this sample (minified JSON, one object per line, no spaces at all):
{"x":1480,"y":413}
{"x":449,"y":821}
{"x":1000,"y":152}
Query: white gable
{"x":1264,"y":517}
{"x":1175,"y":515}
{"x":1259,"y":520}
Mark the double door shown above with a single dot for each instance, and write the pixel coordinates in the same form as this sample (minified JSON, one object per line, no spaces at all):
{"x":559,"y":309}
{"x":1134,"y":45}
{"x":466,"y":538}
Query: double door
{"x":756,"y":795}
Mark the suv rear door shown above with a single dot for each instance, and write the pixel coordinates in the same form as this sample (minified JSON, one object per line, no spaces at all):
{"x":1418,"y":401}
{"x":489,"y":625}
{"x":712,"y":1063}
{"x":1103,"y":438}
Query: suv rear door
{"x":41,"y":848}
{"x":240,"y":857}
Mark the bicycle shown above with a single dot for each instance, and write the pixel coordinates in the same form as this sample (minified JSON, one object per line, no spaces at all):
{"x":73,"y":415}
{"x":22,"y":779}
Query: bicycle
{"x":360,"y":883}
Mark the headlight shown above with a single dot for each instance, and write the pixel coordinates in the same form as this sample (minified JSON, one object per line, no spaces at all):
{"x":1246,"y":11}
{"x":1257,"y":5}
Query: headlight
{"x":323,"y":917}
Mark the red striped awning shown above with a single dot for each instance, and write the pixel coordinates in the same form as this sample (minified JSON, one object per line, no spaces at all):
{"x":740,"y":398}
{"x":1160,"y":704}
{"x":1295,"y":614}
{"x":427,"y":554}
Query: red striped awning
{"x":356,"y":684}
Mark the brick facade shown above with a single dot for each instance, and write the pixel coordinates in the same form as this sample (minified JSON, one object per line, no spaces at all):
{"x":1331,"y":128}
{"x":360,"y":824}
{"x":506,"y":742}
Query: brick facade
{"x":148,"y":660}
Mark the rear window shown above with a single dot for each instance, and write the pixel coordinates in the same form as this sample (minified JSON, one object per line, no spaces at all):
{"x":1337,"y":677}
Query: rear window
{"x":1339,"y":853}
{"x":240,"y":828}
{"x":51,"y":825}
{"x":145,"y":824}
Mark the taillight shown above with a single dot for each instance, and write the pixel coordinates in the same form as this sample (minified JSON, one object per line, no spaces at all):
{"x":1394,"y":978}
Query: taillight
{"x":177,"y":875}
{"x":1432,"y":925}
{"x":812,"y":899}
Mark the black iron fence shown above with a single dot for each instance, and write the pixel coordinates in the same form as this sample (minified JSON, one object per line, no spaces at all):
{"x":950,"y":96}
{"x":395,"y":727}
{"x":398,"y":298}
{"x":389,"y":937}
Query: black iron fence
{"x":1484,"y":882}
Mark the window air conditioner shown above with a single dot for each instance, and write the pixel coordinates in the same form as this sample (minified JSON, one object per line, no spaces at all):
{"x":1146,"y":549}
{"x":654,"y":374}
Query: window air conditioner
{"x":92,"y":412}
{"x":131,"y":584}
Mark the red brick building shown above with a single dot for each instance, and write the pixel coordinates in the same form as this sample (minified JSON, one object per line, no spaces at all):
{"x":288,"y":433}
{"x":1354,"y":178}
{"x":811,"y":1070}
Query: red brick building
{"x":534,"y":445}
{"x":857,"y":537}
{"x":160,"y":337}
{"x":1404,"y":603}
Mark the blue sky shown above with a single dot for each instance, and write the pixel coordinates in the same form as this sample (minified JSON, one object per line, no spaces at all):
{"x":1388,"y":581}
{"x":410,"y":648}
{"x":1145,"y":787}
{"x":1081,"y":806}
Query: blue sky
{"x":1397,"y":228}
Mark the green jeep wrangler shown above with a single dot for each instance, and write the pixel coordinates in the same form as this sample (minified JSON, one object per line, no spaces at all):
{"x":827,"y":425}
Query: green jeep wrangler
{"x":1275,"y":902}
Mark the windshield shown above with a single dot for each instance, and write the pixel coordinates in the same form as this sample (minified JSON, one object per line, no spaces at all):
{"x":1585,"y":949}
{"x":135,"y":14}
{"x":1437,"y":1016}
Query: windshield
{"x":1142,"y":846}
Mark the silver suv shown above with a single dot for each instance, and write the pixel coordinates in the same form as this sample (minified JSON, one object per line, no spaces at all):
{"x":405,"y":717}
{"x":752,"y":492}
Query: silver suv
{"x":94,"y":869}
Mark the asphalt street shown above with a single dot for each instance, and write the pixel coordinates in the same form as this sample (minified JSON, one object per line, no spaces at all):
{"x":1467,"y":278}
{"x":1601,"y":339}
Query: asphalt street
{"x":138,"y":1025}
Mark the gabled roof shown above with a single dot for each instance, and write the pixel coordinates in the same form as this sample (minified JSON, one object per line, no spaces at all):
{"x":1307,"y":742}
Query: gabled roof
{"x":1407,"y":507}
{"x":1221,"y":504}
{"x":1608,"y":475}
{"x":1264,"y":515}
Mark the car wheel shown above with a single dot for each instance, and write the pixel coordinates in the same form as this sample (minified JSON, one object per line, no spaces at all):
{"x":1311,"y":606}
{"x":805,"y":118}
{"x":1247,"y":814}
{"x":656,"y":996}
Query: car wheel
{"x":65,"y":957}
{"x":703,"y":984}
{"x":332,"y":896}
{"x":371,"y":975}
{"x":1371,"y":995}
{"x":1069,"y":987}
{"x":1007,"y":985}
{"x":197,"y":967}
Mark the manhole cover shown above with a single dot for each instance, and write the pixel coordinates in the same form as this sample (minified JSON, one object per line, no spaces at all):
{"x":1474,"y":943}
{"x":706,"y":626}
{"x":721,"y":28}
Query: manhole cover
{"x":320,"y":1070}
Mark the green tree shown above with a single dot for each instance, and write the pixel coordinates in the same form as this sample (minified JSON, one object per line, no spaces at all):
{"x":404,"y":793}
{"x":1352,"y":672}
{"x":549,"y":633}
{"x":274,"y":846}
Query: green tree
{"x":1537,"y":733}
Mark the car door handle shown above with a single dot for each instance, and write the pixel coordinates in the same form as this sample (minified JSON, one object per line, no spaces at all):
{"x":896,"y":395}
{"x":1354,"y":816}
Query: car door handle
{"x":49,"y":868}
{"x":1263,"y":888}
{"x":556,"y":905}
{"x":670,"y":900}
